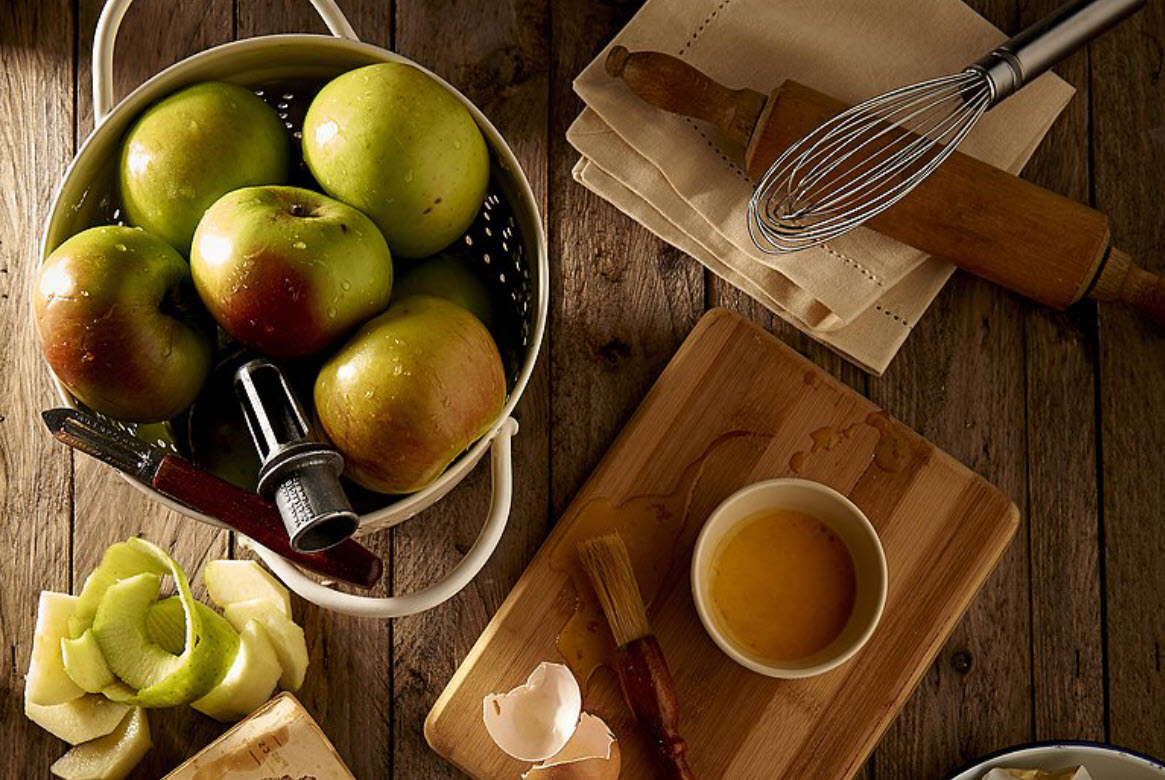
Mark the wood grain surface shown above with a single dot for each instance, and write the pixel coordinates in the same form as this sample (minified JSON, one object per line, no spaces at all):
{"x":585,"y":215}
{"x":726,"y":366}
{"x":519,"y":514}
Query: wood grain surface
{"x":1056,"y":408}
{"x":733,"y":407}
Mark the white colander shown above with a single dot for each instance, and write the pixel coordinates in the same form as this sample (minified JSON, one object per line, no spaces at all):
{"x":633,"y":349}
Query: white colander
{"x":507,"y":240}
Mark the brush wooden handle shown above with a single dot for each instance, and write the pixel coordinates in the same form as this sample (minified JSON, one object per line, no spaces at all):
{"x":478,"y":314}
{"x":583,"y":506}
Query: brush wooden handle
{"x":669,"y":83}
{"x":247,"y":513}
{"x":651,"y":694}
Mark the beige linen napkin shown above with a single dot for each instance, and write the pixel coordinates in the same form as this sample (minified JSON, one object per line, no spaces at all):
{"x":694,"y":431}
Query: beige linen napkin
{"x":862,"y":292}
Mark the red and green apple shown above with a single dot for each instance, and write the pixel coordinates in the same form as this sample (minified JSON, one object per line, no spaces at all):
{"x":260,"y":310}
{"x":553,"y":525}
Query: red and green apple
{"x":120,"y":324}
{"x":286,"y":270}
{"x":408,"y":392}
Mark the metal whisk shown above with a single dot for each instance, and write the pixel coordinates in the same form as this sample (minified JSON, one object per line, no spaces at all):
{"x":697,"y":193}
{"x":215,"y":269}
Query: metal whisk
{"x":866,"y":159}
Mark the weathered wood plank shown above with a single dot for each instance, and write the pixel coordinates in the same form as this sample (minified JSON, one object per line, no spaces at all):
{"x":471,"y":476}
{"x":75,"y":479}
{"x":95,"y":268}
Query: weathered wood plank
{"x":1128,"y":148}
{"x":500,"y":61}
{"x":959,"y":381}
{"x":621,"y":300}
{"x":1067,"y":643}
{"x":107,"y":509}
{"x":36,"y":142}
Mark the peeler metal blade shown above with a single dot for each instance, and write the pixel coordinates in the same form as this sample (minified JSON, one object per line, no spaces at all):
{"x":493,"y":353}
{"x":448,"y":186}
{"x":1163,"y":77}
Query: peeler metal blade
{"x":105,"y":442}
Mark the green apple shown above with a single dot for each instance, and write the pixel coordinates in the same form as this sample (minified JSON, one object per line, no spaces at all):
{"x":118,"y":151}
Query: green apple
{"x":394,"y":143}
{"x":228,"y":581}
{"x":85,"y":664}
{"x":286,"y":271}
{"x":286,"y":637}
{"x":79,"y":720}
{"x":111,"y":757}
{"x":249,"y":682}
{"x":409,"y":392}
{"x":47,"y":683}
{"x":121,"y":325}
{"x":449,"y":277}
{"x":193,"y":147}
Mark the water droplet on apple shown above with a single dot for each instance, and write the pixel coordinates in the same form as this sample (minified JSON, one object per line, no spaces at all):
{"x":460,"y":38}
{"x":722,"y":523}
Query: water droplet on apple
{"x":299,"y":245}
{"x":346,"y":284}
{"x":332,"y":311}
{"x":409,"y":176}
{"x":119,"y":247}
{"x":88,"y":357}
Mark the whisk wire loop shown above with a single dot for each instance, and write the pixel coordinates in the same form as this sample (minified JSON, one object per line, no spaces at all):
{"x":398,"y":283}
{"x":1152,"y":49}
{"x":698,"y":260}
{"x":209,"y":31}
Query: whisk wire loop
{"x":863,"y":161}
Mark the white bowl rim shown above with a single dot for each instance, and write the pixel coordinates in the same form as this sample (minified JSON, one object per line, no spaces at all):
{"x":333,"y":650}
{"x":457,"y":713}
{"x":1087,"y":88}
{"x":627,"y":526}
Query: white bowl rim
{"x":406,"y":506}
{"x":1035,"y":750}
{"x":697,"y":573}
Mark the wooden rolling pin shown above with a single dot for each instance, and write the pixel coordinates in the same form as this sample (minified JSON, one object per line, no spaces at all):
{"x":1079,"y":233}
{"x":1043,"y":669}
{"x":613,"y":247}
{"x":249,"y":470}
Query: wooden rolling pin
{"x":991,"y":223}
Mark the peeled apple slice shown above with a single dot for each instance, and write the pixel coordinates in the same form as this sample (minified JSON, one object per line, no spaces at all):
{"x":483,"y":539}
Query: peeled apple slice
{"x":249,"y":682}
{"x":286,"y":637}
{"x":85,"y":664}
{"x":47,"y":683}
{"x":229,"y":581}
{"x":122,"y":560}
{"x":161,"y":678}
{"x":79,"y":720}
{"x":120,"y":692}
{"x":111,"y":757}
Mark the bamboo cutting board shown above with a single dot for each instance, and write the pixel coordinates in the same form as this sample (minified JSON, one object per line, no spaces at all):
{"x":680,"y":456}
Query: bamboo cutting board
{"x":736,"y":406}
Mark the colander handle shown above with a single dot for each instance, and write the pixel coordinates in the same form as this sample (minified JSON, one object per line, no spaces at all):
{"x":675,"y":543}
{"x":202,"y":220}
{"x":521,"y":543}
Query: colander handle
{"x":105,"y":36}
{"x":501,"y":468}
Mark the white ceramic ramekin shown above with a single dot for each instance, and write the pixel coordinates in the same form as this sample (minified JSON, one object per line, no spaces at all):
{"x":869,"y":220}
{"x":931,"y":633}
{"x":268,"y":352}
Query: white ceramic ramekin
{"x":845,"y":520}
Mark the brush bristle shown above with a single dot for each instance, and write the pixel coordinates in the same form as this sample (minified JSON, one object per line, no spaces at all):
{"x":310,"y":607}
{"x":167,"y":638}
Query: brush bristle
{"x":608,"y":566}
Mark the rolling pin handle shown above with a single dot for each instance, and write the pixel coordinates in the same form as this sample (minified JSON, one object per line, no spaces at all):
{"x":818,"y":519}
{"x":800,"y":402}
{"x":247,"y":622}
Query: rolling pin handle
{"x":669,"y":83}
{"x":1123,"y":281}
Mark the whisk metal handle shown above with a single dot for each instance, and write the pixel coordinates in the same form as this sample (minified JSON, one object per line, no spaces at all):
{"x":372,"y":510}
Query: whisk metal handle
{"x":1035,"y":50}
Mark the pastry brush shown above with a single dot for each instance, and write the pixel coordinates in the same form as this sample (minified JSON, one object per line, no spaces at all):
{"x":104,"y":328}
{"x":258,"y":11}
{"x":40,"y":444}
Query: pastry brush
{"x":643,"y":673}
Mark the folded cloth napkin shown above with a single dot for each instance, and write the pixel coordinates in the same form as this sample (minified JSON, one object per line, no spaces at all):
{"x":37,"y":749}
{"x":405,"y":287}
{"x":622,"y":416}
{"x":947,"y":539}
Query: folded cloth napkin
{"x":861,"y":293}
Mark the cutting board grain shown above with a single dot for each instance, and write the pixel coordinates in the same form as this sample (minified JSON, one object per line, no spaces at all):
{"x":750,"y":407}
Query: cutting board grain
{"x":735,"y":406}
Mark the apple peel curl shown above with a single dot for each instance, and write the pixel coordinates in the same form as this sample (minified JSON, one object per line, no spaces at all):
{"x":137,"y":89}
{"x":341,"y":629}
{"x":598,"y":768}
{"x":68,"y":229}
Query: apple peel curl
{"x":117,"y":602}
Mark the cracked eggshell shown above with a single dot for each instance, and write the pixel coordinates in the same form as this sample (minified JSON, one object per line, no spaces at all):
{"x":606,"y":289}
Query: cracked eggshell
{"x":591,"y":754}
{"x":535,"y":721}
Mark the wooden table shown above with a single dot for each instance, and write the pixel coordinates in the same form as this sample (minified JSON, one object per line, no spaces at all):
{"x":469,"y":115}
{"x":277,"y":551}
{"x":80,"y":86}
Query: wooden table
{"x":1062,"y":411}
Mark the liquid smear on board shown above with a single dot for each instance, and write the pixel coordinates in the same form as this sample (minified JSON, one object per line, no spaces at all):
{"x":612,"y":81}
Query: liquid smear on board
{"x":652,"y":527}
{"x":892,"y":453}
